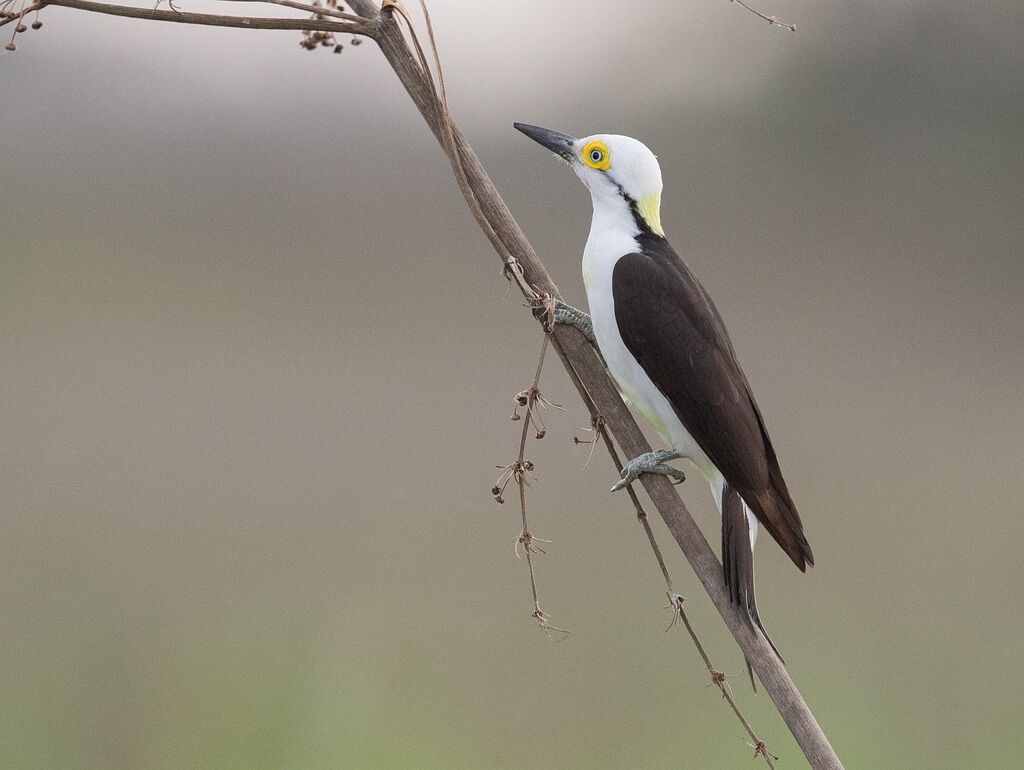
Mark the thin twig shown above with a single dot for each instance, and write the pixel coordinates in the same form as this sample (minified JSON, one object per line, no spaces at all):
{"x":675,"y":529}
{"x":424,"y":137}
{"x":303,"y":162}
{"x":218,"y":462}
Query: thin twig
{"x":444,"y":118}
{"x":517,"y":471}
{"x":719,"y":680}
{"x":17,"y":27}
{"x":675,"y":599}
{"x":592,"y":441}
{"x":18,"y":17}
{"x":314,"y":9}
{"x":772,"y":20}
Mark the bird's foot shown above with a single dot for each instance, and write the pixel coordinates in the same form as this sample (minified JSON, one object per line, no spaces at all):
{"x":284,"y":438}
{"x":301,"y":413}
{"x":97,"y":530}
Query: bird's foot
{"x":652,"y":462}
{"x":567,"y":314}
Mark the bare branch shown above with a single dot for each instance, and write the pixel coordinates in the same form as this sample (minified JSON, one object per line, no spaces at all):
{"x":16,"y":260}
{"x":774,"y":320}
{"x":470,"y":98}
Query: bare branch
{"x":360,"y":27}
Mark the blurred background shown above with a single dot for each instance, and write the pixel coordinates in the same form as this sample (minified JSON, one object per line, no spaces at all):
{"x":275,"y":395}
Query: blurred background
{"x":257,"y":365}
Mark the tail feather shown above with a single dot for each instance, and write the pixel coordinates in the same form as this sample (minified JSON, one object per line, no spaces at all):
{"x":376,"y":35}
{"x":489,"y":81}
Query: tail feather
{"x":738,"y":563}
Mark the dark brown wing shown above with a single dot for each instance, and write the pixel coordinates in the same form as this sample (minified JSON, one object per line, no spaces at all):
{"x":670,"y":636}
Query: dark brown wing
{"x":669,"y":324}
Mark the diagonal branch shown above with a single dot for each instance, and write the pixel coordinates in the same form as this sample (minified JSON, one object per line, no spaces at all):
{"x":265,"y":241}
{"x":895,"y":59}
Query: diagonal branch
{"x":589,"y":375}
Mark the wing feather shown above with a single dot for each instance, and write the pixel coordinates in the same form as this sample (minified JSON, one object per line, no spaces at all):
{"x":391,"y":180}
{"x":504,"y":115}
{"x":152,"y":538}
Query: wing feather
{"x":671,"y":326}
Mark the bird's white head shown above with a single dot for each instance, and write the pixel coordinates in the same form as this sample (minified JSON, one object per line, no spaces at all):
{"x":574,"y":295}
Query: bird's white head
{"x":622,"y":174}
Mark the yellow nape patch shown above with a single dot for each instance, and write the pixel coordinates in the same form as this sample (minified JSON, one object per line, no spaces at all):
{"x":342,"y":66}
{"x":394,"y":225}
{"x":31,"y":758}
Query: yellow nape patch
{"x":650,"y":210}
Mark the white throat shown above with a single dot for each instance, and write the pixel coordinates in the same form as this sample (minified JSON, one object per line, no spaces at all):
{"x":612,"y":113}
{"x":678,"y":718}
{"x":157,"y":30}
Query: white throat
{"x":613,"y":233}
{"x":612,"y":213}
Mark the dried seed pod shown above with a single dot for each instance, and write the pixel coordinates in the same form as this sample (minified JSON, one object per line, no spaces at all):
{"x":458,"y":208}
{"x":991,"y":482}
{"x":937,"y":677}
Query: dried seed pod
{"x":37,"y":24}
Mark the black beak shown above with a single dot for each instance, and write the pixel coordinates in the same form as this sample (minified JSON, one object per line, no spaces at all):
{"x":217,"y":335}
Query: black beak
{"x":560,"y":144}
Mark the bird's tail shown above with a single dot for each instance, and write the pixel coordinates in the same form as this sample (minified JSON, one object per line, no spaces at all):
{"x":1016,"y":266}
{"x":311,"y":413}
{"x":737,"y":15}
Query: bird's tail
{"x":738,"y":561}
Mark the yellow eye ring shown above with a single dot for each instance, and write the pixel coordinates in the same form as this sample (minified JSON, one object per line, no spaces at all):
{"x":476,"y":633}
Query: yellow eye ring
{"x":596,"y":155}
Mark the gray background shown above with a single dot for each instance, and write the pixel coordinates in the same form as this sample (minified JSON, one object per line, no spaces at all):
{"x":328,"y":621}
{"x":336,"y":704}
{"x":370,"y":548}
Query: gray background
{"x":256,"y":370}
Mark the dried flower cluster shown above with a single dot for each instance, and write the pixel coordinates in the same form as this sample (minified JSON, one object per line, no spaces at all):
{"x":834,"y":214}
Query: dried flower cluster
{"x":311,"y":40}
{"x":9,"y":14}
{"x":519,"y":471}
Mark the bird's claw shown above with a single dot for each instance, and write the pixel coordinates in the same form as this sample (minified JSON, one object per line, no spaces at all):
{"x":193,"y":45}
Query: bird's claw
{"x":567,"y":314}
{"x":652,"y":462}
{"x":661,"y":469}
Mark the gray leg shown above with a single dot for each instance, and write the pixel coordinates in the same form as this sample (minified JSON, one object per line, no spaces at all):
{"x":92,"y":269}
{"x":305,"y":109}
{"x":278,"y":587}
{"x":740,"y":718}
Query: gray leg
{"x":567,"y":314}
{"x":652,"y":462}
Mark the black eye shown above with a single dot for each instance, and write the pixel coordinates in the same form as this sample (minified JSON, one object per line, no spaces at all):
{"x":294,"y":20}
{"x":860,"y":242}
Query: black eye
{"x":596,"y":156}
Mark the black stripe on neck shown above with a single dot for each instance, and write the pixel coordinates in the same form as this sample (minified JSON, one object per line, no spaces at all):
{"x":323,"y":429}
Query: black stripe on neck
{"x":646,"y":233}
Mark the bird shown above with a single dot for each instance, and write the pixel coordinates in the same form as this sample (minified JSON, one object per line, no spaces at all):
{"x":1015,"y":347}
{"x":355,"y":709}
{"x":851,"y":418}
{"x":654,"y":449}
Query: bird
{"x":667,"y":349}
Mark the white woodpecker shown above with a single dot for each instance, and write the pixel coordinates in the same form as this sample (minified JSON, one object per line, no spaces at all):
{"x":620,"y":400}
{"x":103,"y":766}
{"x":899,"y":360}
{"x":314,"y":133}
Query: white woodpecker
{"x":668,"y":351}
